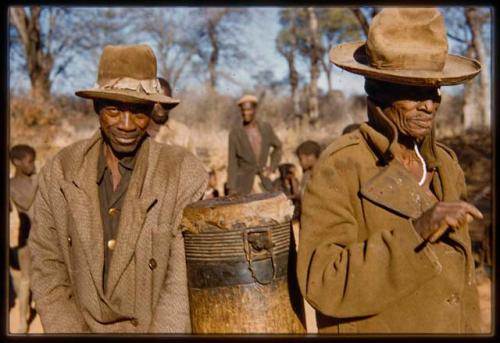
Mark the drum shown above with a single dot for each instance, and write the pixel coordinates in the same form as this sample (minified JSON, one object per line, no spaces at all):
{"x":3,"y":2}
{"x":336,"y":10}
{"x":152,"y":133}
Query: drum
{"x":241,"y":265}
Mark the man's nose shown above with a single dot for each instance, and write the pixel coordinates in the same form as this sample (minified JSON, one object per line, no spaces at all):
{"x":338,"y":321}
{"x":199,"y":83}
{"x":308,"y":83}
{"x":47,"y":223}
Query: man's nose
{"x":427,"y":106}
{"x":126,"y":123}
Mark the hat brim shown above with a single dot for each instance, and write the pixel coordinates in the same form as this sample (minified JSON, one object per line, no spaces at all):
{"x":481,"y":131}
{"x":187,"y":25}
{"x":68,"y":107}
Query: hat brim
{"x":128,"y":96}
{"x":352,"y":57}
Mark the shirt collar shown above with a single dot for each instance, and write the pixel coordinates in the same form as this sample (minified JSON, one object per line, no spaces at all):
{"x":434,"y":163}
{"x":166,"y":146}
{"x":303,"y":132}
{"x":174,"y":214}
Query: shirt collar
{"x":127,"y":162}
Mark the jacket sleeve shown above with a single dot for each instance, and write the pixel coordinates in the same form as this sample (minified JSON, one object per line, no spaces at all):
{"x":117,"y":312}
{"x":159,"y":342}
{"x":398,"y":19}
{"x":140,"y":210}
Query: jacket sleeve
{"x":340,"y":275}
{"x":277,"y":149}
{"x":232,"y":164}
{"x":51,"y":286}
{"x":171,"y":314}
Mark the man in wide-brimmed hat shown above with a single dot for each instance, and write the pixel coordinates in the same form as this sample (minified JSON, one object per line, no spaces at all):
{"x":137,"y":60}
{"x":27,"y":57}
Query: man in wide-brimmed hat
{"x":250,"y":146}
{"x":107,"y":254}
{"x":384,"y":246}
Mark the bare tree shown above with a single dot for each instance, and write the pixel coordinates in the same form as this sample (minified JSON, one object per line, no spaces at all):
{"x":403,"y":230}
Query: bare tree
{"x":174,"y":43}
{"x":475,"y":19}
{"x":38,"y":46}
{"x":217,"y":38}
{"x":45,"y":41}
{"x":465,"y":26}
{"x":315,"y":54}
{"x":336,"y":25}
{"x":287,"y":46}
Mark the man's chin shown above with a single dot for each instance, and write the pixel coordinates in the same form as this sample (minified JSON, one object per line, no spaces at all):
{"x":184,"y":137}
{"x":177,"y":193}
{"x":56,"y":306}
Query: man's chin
{"x":124,"y":149}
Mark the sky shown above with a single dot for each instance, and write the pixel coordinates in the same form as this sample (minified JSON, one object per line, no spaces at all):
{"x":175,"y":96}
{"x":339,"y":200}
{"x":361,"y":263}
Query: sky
{"x":259,"y":36}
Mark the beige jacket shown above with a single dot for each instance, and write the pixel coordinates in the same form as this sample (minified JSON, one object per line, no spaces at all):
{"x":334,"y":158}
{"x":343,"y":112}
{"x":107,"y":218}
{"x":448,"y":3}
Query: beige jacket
{"x":147,"y":284}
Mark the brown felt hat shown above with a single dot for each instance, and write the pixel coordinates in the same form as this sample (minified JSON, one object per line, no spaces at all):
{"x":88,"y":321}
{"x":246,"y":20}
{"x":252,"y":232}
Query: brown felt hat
{"x":127,"y":73}
{"x":406,"y":46}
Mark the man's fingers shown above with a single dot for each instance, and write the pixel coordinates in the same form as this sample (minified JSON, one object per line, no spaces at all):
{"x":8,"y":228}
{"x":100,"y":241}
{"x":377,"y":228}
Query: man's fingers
{"x":474,"y":211}
{"x":451,"y":221}
{"x":438,"y":233}
{"x":459,"y":206}
{"x":469,"y":218}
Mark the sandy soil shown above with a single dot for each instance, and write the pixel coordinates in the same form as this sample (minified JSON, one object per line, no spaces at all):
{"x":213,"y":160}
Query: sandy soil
{"x":484,"y":288}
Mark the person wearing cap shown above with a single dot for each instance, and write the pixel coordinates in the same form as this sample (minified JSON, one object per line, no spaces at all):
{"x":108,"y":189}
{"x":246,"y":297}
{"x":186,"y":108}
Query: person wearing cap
{"x":249,"y":149}
{"x":107,"y":251}
{"x":384,"y":245}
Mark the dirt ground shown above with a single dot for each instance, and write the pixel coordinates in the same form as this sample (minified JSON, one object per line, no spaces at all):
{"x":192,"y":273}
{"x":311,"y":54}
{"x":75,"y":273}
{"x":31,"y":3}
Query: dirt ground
{"x":484,"y":289}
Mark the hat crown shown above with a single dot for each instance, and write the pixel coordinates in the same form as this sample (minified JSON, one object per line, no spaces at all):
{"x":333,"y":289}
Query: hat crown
{"x":126,"y":61}
{"x":407,"y":39}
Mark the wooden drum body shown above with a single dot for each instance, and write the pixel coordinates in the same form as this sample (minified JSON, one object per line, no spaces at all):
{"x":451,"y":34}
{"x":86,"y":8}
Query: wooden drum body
{"x":237,"y":253}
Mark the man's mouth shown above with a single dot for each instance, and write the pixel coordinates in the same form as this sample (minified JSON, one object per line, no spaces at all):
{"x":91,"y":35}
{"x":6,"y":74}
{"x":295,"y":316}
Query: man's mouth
{"x":126,"y":140}
{"x":425,"y":123}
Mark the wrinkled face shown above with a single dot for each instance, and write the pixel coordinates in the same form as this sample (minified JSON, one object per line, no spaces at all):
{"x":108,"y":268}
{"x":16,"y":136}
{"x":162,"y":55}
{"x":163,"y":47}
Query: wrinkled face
{"x":124,"y":124}
{"x":413,"y":113}
{"x":26,"y":164}
{"x":307,"y":161}
{"x":248,"y":110}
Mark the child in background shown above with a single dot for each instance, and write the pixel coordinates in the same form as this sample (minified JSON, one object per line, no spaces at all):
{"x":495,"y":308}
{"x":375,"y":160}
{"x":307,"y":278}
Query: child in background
{"x":23,"y":187}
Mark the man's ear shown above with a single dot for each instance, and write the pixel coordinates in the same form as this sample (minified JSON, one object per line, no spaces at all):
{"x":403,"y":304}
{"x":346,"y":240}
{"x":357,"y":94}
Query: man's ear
{"x":16,"y":162}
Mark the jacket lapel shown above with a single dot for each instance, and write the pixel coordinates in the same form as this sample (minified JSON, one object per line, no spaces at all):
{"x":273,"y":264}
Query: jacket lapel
{"x":83,"y":201}
{"x":394,"y":188}
{"x":139,"y":199}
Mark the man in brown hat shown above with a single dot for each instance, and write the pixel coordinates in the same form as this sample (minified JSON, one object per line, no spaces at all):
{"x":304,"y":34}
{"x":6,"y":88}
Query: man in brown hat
{"x":249,"y":149}
{"x":384,"y":246}
{"x":107,"y":253}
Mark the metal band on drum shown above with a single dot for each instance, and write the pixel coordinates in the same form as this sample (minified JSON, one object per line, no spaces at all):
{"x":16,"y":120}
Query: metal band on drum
{"x":241,"y":256}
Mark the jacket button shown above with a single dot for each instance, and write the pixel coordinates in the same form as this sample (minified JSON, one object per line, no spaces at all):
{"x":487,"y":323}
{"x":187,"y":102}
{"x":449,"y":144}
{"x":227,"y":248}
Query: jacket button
{"x":112,"y":211}
{"x":152,"y":264}
{"x":134,"y":321}
{"x":69,"y":241}
{"x":111,"y":244}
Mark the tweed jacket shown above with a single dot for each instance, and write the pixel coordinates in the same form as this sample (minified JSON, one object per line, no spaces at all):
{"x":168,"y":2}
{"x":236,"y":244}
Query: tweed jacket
{"x":242,"y":164}
{"x":147,"y":283}
{"x":361,"y":264}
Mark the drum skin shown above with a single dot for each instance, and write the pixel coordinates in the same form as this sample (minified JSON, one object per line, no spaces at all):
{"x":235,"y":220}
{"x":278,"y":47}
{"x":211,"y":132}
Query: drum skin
{"x":241,"y":265}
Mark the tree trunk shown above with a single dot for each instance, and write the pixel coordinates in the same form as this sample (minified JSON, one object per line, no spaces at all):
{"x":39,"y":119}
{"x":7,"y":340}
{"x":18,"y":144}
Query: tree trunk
{"x":40,"y":85}
{"x":315,"y":59}
{"x":214,"y":55}
{"x":294,"y":75}
{"x":474,"y":23}
{"x":39,"y":63}
{"x":471,"y":117}
{"x":327,"y":68}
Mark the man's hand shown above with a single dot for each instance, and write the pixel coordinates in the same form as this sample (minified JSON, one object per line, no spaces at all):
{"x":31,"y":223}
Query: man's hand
{"x":433,"y":223}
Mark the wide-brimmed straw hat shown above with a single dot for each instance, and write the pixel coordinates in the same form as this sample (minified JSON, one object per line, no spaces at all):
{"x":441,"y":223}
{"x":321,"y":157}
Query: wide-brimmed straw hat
{"x":127,"y":73}
{"x":406,"y":46}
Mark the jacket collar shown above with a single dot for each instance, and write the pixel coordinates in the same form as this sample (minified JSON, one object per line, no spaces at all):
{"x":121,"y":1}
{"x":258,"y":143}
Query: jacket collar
{"x":382,"y":136}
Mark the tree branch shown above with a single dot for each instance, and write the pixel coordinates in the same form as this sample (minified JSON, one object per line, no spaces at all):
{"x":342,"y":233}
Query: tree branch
{"x":18,"y":18}
{"x":363,"y":21}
